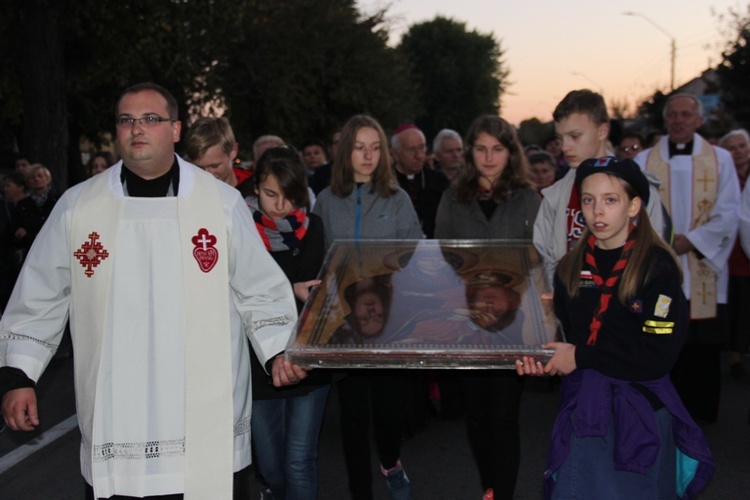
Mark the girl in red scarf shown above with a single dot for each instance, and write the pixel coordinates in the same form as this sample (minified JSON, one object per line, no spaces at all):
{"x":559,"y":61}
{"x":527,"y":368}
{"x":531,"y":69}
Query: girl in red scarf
{"x":286,"y":423}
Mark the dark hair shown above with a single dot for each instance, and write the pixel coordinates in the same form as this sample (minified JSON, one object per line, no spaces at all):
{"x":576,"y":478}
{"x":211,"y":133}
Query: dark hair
{"x":542,"y":157}
{"x":108,"y":157}
{"x":141,"y":87}
{"x":532,"y":147}
{"x":514,"y":176}
{"x":342,"y":175}
{"x":23,"y":156}
{"x":314,"y":142}
{"x":381,"y":287}
{"x":506,"y":318}
{"x":633,"y":135}
{"x":639,"y":266}
{"x":283,"y":163}
{"x":18,"y":179}
{"x":582,"y":101}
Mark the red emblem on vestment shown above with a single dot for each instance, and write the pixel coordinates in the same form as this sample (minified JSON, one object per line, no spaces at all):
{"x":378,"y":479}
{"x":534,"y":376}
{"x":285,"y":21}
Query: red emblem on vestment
{"x":204,"y":251}
{"x":91,"y":254}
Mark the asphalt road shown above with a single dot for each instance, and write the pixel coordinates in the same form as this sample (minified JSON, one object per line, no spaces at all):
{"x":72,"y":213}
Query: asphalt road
{"x":437,"y":459}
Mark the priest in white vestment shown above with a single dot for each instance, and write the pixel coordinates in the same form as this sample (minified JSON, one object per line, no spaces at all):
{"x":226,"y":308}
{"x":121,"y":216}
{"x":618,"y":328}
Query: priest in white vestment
{"x":699,"y":187}
{"x":164,"y":278}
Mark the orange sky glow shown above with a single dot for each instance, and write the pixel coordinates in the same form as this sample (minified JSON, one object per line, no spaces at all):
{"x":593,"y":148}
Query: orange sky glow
{"x":552,"y":47}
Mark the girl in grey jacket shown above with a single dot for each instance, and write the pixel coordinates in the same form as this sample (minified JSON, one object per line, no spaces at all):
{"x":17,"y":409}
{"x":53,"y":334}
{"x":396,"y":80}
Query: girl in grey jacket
{"x":365,"y":202}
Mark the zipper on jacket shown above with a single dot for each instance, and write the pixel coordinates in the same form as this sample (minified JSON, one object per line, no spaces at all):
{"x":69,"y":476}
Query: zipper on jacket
{"x":358,"y":218}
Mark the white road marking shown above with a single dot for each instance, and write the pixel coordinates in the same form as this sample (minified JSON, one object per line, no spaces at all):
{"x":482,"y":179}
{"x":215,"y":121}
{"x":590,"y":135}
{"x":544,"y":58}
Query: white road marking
{"x":22,"y":452}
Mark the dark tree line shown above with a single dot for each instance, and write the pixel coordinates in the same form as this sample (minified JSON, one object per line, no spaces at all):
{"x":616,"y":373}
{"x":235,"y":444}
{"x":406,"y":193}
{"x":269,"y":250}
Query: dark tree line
{"x":295,"y":68}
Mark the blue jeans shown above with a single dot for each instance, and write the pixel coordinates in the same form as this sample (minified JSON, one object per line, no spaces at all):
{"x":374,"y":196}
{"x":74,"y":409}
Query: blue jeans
{"x":285,"y":440}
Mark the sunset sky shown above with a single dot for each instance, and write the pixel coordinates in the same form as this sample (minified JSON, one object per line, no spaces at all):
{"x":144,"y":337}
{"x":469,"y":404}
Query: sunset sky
{"x":547,"y":41}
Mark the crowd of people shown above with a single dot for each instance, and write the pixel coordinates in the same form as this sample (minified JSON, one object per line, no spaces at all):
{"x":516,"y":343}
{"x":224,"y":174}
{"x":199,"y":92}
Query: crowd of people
{"x":641,"y":254}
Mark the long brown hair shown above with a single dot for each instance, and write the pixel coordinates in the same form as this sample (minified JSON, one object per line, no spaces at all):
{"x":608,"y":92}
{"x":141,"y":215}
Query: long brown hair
{"x":342,"y":176}
{"x":640,"y":264}
{"x":516,"y":173}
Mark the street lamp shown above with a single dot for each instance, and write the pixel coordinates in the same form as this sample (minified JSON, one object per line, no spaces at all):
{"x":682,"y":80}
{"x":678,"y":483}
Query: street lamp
{"x":587,"y":77}
{"x":674,"y":45}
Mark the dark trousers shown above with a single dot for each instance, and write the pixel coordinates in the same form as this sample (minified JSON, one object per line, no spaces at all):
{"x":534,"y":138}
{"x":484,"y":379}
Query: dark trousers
{"x":381,"y":395}
{"x":493,"y":400}
{"x":697,"y":378}
{"x":738,"y":309}
{"x":697,"y":373}
{"x":241,"y":487}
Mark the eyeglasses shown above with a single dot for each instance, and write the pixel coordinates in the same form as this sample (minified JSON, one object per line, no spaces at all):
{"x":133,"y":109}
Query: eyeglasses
{"x":147,"y":121}
{"x":628,"y":149}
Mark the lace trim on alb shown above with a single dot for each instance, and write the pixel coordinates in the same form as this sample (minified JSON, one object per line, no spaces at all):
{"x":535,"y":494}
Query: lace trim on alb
{"x":152,"y":449}
{"x":8,"y":335}
{"x":277,"y":321}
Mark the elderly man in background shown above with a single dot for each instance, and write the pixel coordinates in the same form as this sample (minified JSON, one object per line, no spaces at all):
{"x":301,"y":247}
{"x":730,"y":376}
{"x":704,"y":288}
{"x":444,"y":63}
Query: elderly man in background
{"x":448,"y":149}
{"x":424,"y":186}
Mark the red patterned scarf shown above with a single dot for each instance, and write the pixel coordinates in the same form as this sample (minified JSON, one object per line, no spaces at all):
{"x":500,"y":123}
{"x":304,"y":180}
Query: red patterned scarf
{"x":606,"y":287}
{"x":281,"y":234}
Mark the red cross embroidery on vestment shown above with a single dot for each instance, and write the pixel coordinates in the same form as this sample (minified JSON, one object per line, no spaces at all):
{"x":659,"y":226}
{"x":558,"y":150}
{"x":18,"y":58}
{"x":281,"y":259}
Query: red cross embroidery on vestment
{"x":91,"y":254}
{"x":204,"y":251}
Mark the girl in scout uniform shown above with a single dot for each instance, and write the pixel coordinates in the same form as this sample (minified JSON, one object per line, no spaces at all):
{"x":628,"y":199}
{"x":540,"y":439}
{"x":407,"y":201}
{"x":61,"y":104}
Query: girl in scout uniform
{"x":622,"y":431}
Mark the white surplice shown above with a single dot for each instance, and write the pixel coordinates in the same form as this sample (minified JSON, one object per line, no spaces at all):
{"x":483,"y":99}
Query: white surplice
{"x":137,"y":447}
{"x":715,"y":238}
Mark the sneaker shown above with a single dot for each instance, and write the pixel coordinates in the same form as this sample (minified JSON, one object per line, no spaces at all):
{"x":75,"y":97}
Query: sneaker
{"x":398,"y":483}
{"x":265,"y":494}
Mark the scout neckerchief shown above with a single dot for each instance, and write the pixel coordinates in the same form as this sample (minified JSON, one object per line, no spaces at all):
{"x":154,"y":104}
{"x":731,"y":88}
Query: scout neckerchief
{"x":705,"y":173}
{"x":606,"y":287}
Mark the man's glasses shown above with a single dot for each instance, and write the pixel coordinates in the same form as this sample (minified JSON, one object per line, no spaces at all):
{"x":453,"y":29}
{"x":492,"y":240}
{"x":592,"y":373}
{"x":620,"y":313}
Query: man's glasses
{"x":147,"y":121}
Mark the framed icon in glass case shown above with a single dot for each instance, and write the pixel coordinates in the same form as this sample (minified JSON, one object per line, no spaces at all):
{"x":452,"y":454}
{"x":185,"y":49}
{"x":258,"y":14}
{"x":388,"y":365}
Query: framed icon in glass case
{"x":425,"y":304}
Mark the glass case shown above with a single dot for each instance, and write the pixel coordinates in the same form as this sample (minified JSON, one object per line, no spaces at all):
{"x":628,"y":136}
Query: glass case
{"x":425,"y":304}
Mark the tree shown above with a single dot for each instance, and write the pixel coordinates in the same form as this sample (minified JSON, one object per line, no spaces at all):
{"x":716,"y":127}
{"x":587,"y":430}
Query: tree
{"x":651,"y":109}
{"x":460,"y":73}
{"x":734,"y":71}
{"x":302,"y":68}
{"x":32,"y":41}
{"x":296,"y":68}
{"x":67,"y":63}
{"x":533,"y":131}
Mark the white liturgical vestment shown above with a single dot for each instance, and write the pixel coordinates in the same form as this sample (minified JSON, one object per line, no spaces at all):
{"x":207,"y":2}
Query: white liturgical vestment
{"x":131,"y":386}
{"x":715,"y":238}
